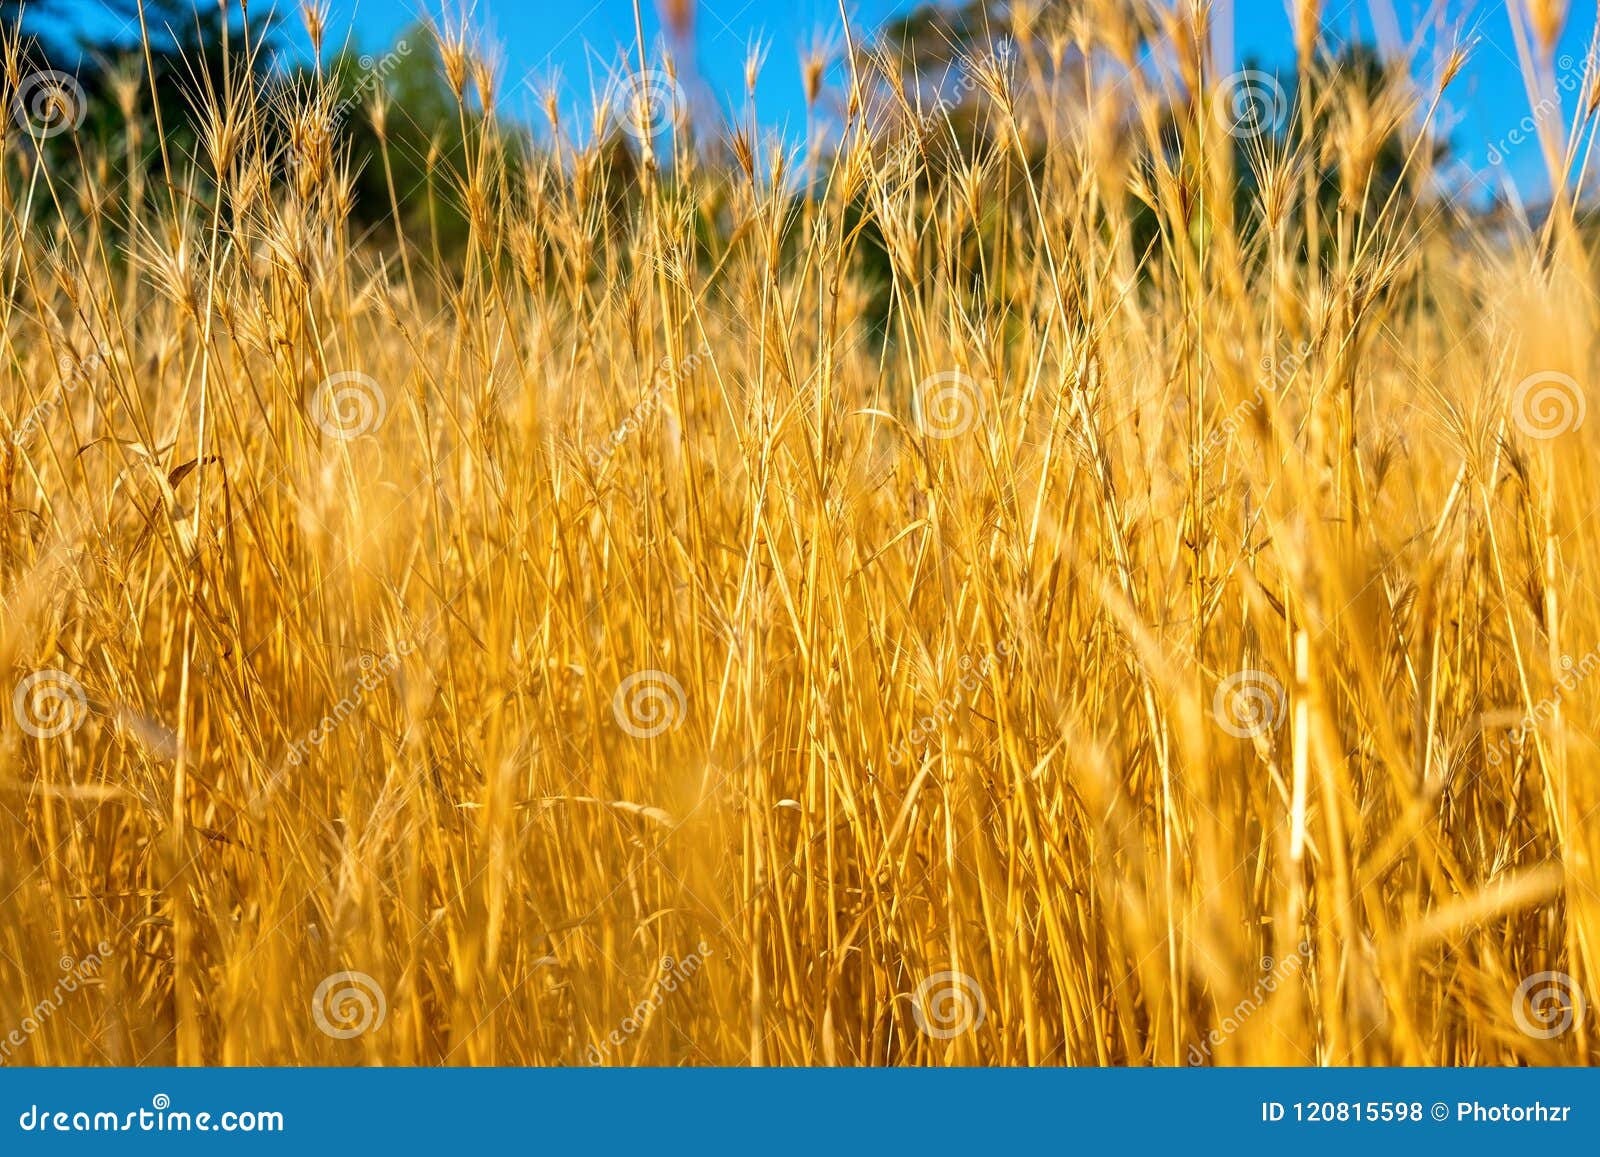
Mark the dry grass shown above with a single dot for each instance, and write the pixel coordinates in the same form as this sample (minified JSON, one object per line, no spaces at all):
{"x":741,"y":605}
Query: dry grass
{"x":948,"y":703}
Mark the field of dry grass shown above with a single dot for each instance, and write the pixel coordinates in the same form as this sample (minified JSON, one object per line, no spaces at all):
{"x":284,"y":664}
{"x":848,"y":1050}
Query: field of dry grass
{"x":1168,"y":641}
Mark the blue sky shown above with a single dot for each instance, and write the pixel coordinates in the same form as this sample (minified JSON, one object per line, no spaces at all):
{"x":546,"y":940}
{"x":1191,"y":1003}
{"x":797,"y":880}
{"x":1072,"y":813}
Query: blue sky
{"x":580,"y":40}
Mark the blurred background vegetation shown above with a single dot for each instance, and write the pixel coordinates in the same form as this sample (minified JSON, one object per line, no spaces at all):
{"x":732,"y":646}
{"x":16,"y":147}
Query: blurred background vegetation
{"x":409,"y":140}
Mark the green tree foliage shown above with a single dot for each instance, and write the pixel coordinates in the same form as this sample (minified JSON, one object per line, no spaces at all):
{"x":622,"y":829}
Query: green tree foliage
{"x":185,"y":53}
{"x":416,"y":160}
{"x":142,"y":87}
